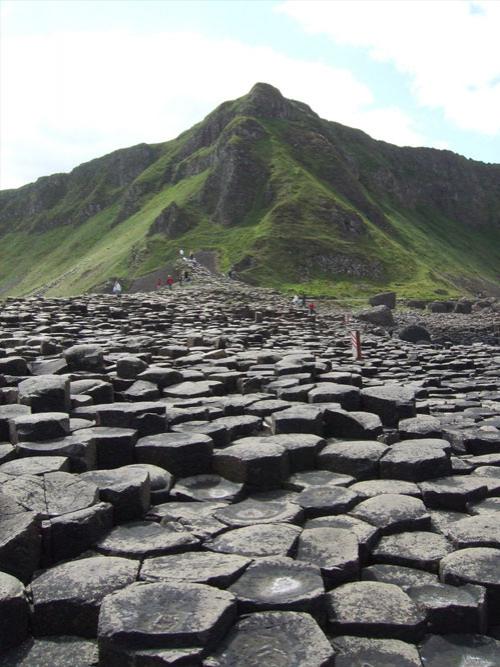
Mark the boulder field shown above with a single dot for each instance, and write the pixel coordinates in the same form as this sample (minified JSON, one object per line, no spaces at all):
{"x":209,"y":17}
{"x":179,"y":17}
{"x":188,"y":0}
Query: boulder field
{"x":204,"y":476}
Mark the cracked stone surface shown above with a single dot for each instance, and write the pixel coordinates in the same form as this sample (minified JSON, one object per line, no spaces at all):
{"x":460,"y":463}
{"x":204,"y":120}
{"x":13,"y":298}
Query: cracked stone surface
{"x":205,"y":477}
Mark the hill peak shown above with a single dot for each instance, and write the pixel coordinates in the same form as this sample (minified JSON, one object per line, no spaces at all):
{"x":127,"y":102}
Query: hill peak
{"x":267,"y":101}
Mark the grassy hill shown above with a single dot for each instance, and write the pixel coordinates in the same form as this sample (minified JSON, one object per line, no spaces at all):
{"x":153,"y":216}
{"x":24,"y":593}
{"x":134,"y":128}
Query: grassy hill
{"x":291,"y":200}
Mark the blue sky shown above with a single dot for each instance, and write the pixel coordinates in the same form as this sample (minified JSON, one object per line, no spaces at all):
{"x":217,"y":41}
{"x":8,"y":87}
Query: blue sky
{"x":80,"y":79}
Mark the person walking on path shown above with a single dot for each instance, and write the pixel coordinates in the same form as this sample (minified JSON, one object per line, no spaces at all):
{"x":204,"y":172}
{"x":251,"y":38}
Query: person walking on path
{"x":295,"y":300}
{"x":117,"y":288}
{"x":170,"y":282}
{"x":312,"y":308}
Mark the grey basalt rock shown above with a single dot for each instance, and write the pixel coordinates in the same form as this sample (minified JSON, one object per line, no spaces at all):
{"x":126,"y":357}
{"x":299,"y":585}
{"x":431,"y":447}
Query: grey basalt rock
{"x":378,"y":315}
{"x":8,"y":412}
{"x":144,"y":539}
{"x":207,"y":487}
{"x":52,"y":494}
{"x":280,"y":584}
{"x":260,"y":508}
{"x":403,"y":577}
{"x":197,"y":567}
{"x":69,"y":535}
{"x":53,"y":652}
{"x":393,"y":513}
{"x":460,"y":649}
{"x":362,"y":651}
{"x":480,"y":566}
{"x":114,"y":447}
{"x":258,"y":540}
{"x":451,"y":608}
{"x":334,"y":550}
{"x":84,"y":358}
{"x":346,"y":395}
{"x":66,"y":598}
{"x":302,"y":448}
{"x":376,"y":487}
{"x":140,"y":617}
{"x":414,"y":461}
{"x":419,"y":549}
{"x":359,"y":458}
{"x":20,"y":542}
{"x":43,"y":426}
{"x":182,"y":454}
{"x":35,"y":465}
{"x":373,"y":609}
{"x":298,"y":419}
{"x":453,"y":492}
{"x":293,"y":638}
{"x":353,"y":424}
{"x":45,"y":393}
{"x":128,"y":490}
{"x":253,"y":462}
{"x":391,"y":402}
{"x":366,"y":534}
{"x":327,"y":500}
{"x":14,"y":612}
{"x":310,"y":478}
{"x":78,"y":449}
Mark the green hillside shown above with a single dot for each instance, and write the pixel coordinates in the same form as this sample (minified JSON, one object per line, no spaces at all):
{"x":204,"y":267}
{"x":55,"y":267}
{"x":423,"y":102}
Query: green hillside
{"x":290,"y":200}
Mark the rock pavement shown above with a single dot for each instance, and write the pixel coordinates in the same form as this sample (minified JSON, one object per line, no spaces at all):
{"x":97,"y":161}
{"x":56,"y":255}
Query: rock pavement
{"x":205,"y":476}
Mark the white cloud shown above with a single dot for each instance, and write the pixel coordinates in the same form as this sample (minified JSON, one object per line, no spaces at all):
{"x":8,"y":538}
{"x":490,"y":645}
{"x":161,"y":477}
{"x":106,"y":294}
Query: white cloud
{"x":69,"y":97}
{"x":450,"y":49}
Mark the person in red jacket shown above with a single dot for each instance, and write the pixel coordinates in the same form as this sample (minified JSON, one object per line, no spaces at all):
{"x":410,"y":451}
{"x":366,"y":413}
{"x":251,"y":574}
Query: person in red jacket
{"x":170,"y":282}
{"x":312,"y":308}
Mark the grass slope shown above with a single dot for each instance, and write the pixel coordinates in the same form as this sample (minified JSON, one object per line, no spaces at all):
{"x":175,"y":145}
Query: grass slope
{"x":422,"y":253}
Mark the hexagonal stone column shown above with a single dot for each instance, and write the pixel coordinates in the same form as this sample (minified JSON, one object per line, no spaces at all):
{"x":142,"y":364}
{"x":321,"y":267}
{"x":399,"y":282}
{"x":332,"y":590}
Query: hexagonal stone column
{"x":182,"y":454}
{"x":480,"y":566}
{"x":14,"y":612}
{"x":393,"y":513}
{"x":391,"y":402}
{"x":293,"y":638}
{"x":270,"y":539}
{"x":67,"y":597}
{"x":280,"y":584}
{"x":52,"y":652}
{"x":460,"y":649}
{"x":334,"y":550}
{"x":162,"y":616}
{"x":363,"y":651}
{"x":413,"y":461}
{"x":45,"y":393}
{"x":359,"y":458}
{"x":373,"y":609}
{"x":257,"y":464}
{"x":127,"y":489}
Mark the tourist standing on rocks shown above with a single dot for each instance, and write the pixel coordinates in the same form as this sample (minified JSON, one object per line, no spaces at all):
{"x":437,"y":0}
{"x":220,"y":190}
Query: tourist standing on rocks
{"x":312,"y":308}
{"x":170,"y":282}
{"x":295,"y":300}
{"x":117,"y":288}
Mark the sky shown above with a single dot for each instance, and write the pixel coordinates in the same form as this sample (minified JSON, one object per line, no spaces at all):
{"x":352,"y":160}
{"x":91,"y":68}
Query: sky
{"x":79,"y":79}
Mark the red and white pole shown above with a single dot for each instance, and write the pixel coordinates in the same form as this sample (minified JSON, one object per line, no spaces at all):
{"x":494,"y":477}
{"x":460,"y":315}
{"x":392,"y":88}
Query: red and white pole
{"x":356,"y":345}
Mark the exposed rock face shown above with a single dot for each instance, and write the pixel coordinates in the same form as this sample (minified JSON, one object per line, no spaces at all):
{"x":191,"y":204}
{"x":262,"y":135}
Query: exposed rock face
{"x":232,"y":190}
{"x":173,"y":221}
